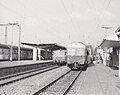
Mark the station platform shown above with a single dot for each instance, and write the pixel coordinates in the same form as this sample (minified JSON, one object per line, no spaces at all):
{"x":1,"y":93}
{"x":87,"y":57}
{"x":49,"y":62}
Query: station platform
{"x":4,"y":64}
{"x":8,"y":68}
{"x":99,"y":80}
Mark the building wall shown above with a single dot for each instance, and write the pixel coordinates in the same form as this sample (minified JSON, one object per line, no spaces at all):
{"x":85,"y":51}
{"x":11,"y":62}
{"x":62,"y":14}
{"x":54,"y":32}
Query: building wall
{"x":116,"y":56}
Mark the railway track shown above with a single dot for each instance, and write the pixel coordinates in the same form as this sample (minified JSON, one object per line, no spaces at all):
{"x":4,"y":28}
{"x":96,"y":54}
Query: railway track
{"x":23,"y":75}
{"x":61,"y":85}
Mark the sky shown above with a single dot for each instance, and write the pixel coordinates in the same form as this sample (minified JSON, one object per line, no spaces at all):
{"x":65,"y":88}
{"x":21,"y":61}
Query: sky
{"x":59,"y":21}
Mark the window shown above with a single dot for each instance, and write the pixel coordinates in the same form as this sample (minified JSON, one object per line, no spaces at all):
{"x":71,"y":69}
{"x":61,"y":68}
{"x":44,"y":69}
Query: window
{"x":71,"y":52}
{"x":80,"y":52}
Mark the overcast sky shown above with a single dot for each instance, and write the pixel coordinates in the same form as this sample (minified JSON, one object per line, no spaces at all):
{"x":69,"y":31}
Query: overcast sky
{"x":59,"y":21}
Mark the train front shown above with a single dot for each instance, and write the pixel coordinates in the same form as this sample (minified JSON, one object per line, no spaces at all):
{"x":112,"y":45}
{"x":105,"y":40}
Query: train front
{"x":76,"y":56}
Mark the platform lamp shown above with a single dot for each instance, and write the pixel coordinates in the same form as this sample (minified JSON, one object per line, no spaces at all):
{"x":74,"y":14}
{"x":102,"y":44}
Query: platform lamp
{"x":118,"y":35}
{"x":19,"y":25}
{"x":106,"y":28}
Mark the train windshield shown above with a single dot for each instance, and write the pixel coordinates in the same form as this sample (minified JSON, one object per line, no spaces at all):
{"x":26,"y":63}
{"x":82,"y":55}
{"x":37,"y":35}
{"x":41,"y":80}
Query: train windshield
{"x":77,"y":52}
{"x":80,"y":52}
{"x":71,"y":52}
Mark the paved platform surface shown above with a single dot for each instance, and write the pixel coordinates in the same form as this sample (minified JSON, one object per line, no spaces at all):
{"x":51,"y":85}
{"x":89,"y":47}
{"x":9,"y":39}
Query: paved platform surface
{"x":4,"y":64}
{"x":99,"y":80}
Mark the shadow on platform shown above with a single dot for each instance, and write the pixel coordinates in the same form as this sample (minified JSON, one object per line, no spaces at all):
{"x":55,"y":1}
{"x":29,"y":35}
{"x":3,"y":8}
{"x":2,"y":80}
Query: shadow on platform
{"x":118,"y":85}
{"x":114,"y":68}
{"x":90,"y":65}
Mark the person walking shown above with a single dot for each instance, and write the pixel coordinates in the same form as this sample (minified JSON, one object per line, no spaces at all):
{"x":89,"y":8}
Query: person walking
{"x":101,"y":60}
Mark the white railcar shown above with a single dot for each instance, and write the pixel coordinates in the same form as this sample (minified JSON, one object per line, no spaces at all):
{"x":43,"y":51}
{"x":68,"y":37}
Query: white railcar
{"x":59,"y":57}
{"x":77,"y":55}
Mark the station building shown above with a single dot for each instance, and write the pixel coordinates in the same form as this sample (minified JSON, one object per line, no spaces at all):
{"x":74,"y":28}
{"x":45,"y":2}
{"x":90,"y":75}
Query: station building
{"x":111,"y":49}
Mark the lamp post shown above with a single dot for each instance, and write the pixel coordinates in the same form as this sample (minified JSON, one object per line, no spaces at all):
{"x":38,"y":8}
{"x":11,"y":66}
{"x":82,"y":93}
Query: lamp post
{"x":19,"y":25}
{"x":6,"y":34}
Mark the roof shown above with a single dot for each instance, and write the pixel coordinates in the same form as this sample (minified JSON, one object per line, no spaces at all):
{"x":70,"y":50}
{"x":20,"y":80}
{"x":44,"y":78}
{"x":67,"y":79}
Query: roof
{"x":4,"y":46}
{"x":110,"y":41}
{"x":89,"y":46}
{"x":52,"y":46}
{"x":76,"y":45}
{"x":112,"y":38}
{"x":118,"y":29}
{"x":13,"y":46}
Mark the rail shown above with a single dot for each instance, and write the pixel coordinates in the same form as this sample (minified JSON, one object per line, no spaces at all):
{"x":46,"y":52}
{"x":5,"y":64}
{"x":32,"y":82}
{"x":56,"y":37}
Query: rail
{"x":16,"y":77}
{"x":57,"y":82}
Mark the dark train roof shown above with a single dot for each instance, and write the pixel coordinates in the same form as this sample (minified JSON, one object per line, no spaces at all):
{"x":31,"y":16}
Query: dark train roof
{"x":4,"y":46}
{"x":8,"y":46}
{"x":52,"y":46}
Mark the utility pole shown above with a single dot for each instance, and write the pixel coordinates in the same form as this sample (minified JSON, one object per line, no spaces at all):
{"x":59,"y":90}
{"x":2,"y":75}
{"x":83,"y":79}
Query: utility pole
{"x":6,"y":35}
{"x":19,"y":25}
{"x":19,"y":42}
{"x":12,"y":24}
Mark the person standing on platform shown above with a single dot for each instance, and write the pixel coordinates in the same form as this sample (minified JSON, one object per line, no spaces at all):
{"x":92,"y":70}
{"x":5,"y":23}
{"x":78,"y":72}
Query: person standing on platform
{"x":110,"y":59}
{"x":101,"y":60}
{"x":10,"y":59}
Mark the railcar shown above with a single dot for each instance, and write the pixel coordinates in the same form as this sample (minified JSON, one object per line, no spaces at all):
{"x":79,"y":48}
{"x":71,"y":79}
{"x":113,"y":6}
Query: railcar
{"x":59,"y":57}
{"x":77,"y":56}
{"x":26,"y":53}
{"x":46,"y":55}
{"x":4,"y":52}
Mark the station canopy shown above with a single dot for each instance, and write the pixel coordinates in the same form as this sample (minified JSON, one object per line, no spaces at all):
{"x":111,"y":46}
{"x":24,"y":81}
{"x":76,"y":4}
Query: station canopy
{"x":51,"y":46}
{"x":110,"y":41}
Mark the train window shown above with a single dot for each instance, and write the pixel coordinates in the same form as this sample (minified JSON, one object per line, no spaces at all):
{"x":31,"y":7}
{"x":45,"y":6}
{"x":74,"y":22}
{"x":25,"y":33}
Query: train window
{"x":71,"y":52}
{"x":117,"y":52}
{"x":6,"y":51}
{"x":80,"y":52}
{"x":0,"y":51}
{"x":14,"y":51}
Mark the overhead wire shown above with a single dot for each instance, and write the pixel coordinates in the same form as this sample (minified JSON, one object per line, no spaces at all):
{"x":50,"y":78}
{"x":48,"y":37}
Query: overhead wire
{"x":98,"y":19}
{"x":69,"y":16}
{"x":104,"y":9}
{"x":11,"y":10}
{"x":108,"y":6}
{"x":91,"y":6}
{"x":77,"y":27}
